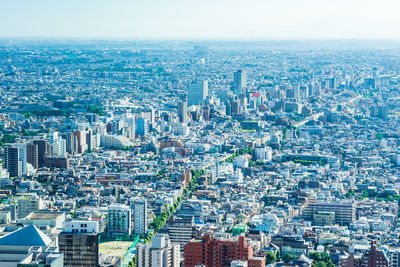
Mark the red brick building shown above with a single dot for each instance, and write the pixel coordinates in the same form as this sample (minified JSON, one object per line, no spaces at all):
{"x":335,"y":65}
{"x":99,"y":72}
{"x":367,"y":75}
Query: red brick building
{"x":374,"y":257}
{"x":219,"y":253}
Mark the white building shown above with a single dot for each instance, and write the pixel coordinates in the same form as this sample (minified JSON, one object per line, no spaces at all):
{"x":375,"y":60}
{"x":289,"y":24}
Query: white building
{"x":58,"y":145}
{"x":139,"y":207}
{"x":79,"y":226}
{"x":241,"y":161}
{"x":263,"y":153}
{"x":25,"y":204}
{"x":239,"y":263}
{"x":108,"y":141}
{"x":161,"y":253}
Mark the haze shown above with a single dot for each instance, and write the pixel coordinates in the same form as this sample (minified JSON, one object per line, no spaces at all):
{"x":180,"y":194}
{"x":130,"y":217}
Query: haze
{"x":207,"y":19}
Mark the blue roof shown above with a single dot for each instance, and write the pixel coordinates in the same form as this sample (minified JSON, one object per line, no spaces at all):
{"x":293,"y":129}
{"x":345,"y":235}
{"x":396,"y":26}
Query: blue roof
{"x":27,"y":236}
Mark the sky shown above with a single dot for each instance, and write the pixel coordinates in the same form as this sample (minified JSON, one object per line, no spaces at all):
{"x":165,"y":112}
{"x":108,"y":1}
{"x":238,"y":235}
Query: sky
{"x":201,"y":19}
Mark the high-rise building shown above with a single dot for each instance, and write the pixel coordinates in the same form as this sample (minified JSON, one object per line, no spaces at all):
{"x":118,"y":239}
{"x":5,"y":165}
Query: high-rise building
{"x":198,"y":92}
{"x":58,"y":145}
{"x":219,"y":253}
{"x":79,"y":242}
{"x":374,"y":257}
{"x":182,"y":111}
{"x":43,"y":151}
{"x":71,"y":143}
{"x":22,"y":157}
{"x":239,"y":82}
{"x":142,"y":126}
{"x":161,"y":253}
{"x":139,"y":207}
{"x":12,"y":162}
{"x":81,"y":138}
{"x":32,"y":154}
{"x":119,"y":221}
{"x":131,"y":129}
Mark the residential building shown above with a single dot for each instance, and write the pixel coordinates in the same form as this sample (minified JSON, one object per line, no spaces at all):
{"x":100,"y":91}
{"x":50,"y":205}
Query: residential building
{"x":161,"y":253}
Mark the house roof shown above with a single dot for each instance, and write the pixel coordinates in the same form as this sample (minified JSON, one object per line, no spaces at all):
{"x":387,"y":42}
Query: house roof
{"x":27,"y":236}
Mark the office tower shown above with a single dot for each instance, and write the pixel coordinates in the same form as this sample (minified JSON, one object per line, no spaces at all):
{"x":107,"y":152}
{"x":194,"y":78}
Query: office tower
{"x":89,"y":140}
{"x":332,"y":83}
{"x":142,"y":127}
{"x":220,"y":252}
{"x":228,"y":108}
{"x":304,"y":91}
{"x":12,"y":162}
{"x":22,"y":157}
{"x":32,"y":154}
{"x":139,"y":216}
{"x":25,"y":204}
{"x":119,"y":221}
{"x":182,"y":111}
{"x":79,"y":243}
{"x":316,"y":89}
{"x":198,"y":91}
{"x":161,"y":253}
{"x":43,"y":151}
{"x":370,"y":83}
{"x":374,"y":257}
{"x":235,"y":107}
{"x":239,"y":82}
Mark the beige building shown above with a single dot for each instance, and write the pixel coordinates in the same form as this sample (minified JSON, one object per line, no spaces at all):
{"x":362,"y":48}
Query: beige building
{"x":323,"y":218}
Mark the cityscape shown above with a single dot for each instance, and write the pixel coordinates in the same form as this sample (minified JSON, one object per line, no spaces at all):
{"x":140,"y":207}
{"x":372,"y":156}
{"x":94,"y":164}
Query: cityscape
{"x":199,"y":153}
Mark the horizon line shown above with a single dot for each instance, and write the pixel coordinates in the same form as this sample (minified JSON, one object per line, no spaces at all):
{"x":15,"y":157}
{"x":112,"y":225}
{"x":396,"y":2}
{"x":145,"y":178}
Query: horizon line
{"x":261,"y":39}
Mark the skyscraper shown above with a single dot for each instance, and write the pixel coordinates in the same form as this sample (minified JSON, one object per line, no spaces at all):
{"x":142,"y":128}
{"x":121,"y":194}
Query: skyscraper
{"x":182,"y":111}
{"x":239,"y":82}
{"x":142,"y":126}
{"x":198,"y":91}
{"x":139,"y":216}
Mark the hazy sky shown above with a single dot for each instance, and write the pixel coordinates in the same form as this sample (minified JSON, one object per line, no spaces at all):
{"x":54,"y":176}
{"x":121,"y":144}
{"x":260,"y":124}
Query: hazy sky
{"x":201,"y":19}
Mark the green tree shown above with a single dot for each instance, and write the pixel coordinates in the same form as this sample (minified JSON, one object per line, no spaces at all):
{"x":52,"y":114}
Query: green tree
{"x":270,"y":257}
{"x":288,"y":257}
